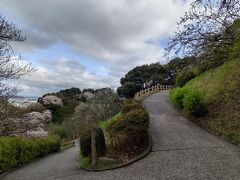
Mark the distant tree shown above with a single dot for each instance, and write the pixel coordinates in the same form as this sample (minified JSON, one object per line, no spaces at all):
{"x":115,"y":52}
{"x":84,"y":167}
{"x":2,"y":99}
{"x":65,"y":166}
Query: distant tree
{"x":206,"y":26}
{"x":72,"y":92}
{"x":11,"y":66}
{"x":140,"y":77}
{"x":103,"y":104}
{"x":89,"y":90}
{"x":176,"y":65}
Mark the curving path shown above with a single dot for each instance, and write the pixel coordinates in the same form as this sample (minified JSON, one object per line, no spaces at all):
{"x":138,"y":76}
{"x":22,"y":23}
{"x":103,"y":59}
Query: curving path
{"x":181,"y":150}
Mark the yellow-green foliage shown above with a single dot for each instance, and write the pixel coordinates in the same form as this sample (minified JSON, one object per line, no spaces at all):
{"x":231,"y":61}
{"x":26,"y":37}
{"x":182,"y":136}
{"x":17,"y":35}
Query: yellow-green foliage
{"x":106,"y":123}
{"x":177,"y":95}
{"x":216,"y":84}
{"x":15,"y":151}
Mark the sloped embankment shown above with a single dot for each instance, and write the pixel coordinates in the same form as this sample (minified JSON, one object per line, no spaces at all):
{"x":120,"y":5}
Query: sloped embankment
{"x":220,"y":89}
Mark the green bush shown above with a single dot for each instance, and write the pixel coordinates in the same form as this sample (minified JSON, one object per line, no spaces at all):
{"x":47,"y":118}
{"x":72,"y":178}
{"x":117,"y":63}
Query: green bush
{"x":136,"y":120}
{"x":177,"y":95}
{"x":56,"y":129}
{"x":130,"y":132}
{"x":85,"y":141}
{"x":193,"y":104}
{"x":15,"y":151}
{"x":183,"y":77}
{"x":129,"y":105}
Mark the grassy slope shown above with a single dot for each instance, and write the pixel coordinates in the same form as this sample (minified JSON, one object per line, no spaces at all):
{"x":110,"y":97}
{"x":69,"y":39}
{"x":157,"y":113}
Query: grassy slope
{"x":221,"y":90}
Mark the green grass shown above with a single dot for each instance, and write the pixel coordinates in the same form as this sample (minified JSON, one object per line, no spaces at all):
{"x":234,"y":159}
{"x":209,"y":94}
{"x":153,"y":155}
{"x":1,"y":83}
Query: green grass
{"x":220,"y":89}
{"x":85,"y":162}
{"x":106,"y":123}
{"x":215,"y":83}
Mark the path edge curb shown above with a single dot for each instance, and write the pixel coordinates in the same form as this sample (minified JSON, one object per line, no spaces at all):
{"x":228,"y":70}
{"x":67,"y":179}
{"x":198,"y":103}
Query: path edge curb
{"x":139,"y":157}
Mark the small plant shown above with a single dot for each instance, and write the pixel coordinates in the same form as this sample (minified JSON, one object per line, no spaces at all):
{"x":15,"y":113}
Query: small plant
{"x":193,"y":104}
{"x":177,"y":96}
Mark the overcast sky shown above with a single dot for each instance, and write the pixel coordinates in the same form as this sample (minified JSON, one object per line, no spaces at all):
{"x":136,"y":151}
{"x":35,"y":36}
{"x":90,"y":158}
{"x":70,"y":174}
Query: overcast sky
{"x":89,"y":43}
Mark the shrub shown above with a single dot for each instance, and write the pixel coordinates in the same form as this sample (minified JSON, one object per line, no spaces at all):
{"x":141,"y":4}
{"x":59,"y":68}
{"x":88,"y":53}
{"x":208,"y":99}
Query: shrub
{"x":183,"y":77}
{"x":177,"y":95}
{"x":129,"y":105}
{"x":193,"y":104}
{"x":130,"y":133}
{"x":85,"y":141}
{"x":34,"y":107}
{"x":133,"y":121}
{"x":58,"y":130}
{"x":15,"y":151}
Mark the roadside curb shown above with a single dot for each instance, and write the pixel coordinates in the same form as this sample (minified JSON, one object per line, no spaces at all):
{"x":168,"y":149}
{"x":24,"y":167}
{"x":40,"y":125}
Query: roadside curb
{"x":139,"y":157}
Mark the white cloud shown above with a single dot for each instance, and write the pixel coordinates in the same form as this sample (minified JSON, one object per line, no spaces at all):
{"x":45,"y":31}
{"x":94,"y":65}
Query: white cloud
{"x":52,"y":76}
{"x":114,"y":31}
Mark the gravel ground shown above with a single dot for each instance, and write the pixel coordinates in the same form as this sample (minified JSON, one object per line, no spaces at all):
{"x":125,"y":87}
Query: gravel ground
{"x":181,"y":150}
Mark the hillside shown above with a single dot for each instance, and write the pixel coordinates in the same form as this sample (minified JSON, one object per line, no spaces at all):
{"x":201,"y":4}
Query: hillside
{"x":220,"y":89}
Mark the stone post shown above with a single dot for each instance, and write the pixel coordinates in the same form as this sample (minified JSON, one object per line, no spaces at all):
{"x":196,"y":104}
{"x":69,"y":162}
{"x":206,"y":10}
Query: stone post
{"x":98,"y":145}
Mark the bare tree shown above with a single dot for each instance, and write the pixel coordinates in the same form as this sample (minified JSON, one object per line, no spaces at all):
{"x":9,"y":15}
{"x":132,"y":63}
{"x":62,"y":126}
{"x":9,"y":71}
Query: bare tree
{"x":11,"y":66}
{"x":207,"y":23}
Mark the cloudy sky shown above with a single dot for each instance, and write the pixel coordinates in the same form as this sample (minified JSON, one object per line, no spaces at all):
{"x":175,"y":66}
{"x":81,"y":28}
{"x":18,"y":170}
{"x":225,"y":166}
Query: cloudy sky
{"x":89,"y":43}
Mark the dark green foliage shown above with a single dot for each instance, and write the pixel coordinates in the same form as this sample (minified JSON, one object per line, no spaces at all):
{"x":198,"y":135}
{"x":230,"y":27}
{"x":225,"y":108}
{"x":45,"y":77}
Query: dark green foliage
{"x":134,"y":80}
{"x":129,"y":133}
{"x":183,"y":77}
{"x":89,"y":90}
{"x":193,"y":104}
{"x":176,"y":65}
{"x":56,"y":129}
{"x":134,"y":121}
{"x":72,"y":92}
{"x":85,"y":141}
{"x":15,"y":151}
{"x":128,"y":89}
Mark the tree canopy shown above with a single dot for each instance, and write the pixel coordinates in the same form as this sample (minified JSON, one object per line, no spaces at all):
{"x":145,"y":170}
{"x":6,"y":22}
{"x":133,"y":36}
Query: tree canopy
{"x":141,"y":77}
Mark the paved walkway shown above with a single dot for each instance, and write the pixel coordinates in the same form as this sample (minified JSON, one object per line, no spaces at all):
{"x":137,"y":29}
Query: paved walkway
{"x":181,"y":150}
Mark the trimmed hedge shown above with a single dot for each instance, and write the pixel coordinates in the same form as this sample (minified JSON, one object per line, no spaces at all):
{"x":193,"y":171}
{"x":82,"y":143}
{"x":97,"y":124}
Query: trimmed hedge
{"x":16,"y":151}
{"x":134,"y":121}
{"x":129,"y":133}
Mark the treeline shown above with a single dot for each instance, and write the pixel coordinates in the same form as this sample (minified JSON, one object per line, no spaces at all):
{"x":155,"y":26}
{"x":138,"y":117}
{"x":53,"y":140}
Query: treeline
{"x":147,"y":75}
